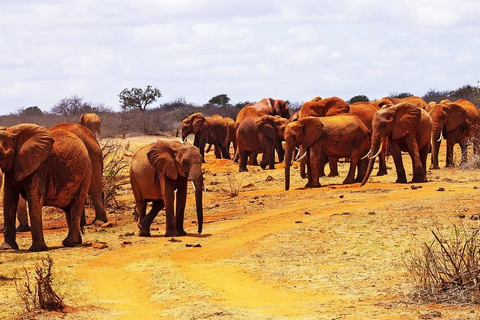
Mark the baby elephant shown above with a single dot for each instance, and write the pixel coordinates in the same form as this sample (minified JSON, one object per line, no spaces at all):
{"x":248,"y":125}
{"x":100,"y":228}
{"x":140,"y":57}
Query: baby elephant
{"x":157,"y":170}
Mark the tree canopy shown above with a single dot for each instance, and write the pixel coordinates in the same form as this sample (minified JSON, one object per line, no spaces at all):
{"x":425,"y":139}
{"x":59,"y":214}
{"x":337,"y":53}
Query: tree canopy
{"x":358,"y":98}
{"x":137,"y":98}
{"x":72,"y":105}
{"x":220,"y":100}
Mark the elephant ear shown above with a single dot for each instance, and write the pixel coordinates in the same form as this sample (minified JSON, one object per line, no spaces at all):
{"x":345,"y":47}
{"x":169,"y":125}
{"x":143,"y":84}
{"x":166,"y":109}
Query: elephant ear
{"x":312,"y":130}
{"x":407,"y":117}
{"x":281,"y":108}
{"x":82,"y":119}
{"x":33,"y":145}
{"x":162,"y":157}
{"x":456,"y":116}
{"x":198,"y":123}
{"x":265,"y":126}
{"x":335,"y":106}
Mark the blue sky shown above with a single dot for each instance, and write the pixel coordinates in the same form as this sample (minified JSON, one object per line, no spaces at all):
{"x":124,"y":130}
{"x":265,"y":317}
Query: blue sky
{"x":247,"y":49}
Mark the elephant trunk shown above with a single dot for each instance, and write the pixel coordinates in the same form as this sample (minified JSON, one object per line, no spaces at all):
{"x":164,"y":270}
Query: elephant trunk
{"x":289,"y":150}
{"x":375,"y":149}
{"x":197,"y":179}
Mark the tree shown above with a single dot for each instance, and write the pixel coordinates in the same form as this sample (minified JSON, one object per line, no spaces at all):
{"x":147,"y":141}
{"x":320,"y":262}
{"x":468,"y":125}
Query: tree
{"x":137,"y":98}
{"x":220,"y":100}
{"x":73,"y":105}
{"x":358,"y":98}
{"x":400,"y":95}
{"x":30,"y":111}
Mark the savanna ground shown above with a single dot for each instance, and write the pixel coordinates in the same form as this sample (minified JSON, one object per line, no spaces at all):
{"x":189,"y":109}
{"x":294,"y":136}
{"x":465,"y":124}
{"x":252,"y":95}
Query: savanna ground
{"x":336,"y":252}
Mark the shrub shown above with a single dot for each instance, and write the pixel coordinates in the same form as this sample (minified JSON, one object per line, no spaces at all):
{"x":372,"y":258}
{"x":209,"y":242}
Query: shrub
{"x":447,"y":269}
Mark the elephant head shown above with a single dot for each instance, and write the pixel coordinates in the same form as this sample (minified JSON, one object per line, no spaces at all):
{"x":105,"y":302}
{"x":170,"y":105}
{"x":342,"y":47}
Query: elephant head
{"x":174,"y":159}
{"x":193,"y":124}
{"x":23,"y":148}
{"x":393,"y":122}
{"x":446,"y":116}
{"x":302,"y":133}
{"x":272,"y":126}
{"x":324,"y":107}
{"x":280,"y":108}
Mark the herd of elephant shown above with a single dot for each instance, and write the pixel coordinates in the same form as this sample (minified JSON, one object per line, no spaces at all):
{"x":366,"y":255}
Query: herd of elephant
{"x":62,"y":165}
{"x":324,"y":130}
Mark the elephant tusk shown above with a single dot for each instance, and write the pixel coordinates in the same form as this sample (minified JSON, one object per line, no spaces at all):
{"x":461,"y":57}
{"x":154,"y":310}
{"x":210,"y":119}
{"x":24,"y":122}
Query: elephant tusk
{"x":193,"y":185}
{"x":184,"y":140}
{"x":441,"y":136}
{"x":379,"y":150}
{"x":303,"y":155}
{"x":365,"y":156}
{"x":298,"y":151}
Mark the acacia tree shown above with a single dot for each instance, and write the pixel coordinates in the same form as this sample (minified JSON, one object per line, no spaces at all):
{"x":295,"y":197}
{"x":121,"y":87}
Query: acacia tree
{"x":137,"y":98}
{"x":220,"y":100}
{"x":72,"y":105}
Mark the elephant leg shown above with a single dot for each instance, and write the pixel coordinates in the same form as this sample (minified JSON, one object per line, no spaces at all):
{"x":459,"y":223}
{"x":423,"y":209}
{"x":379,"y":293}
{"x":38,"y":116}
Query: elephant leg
{"x":22,"y":216}
{"x":333,"y":164}
{"x":313,"y":168}
{"x":146,"y":222}
{"x":354,"y":161}
{"x":252,"y":159}
{"x":361,"y":169}
{"x":382,"y":163}
{"x":303,"y":168}
{"x":180,"y":208}
{"x":413,"y":151}
{"x":10,"y":203}
{"x":464,"y":151}
{"x":224,"y":150}
{"x":280,"y":151}
{"x":423,"y":158}
{"x":242,"y":162}
{"x":35,"y":211}
{"x":76,"y":207}
{"x":140,"y":210}
{"x":397,"y":159}
{"x":169,"y":199}
{"x":217,"y":152}
{"x":449,"y":158}
{"x":321,"y":167}
{"x":100,"y":213}
{"x":208,"y":148}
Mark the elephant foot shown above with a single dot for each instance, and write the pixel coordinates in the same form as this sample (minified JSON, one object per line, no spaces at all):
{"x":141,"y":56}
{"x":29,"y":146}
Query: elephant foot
{"x":240,"y":169}
{"x":69,"y":242}
{"x":181,"y":232}
{"x":313,"y":185}
{"x":381,"y":173}
{"x":23,"y":228}
{"x":349,"y":181}
{"x":170,"y":233}
{"x":434,"y":167}
{"x":143,"y":232}
{"x":8,"y":246}
{"x":98,"y":222}
{"x":333,"y":174}
{"x":403,"y":180}
{"x":38,"y":247}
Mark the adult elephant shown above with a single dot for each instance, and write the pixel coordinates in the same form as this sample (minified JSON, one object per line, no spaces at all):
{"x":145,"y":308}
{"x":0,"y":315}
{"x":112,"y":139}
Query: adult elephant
{"x":259,"y":135}
{"x":157,"y":170}
{"x":92,"y":122}
{"x":337,"y":136}
{"x":47,"y":167}
{"x":231,"y":139}
{"x":390,"y":101}
{"x":408,"y":128}
{"x":266,"y":106}
{"x":318,"y":107}
{"x":458,"y":123}
{"x":213,"y":130}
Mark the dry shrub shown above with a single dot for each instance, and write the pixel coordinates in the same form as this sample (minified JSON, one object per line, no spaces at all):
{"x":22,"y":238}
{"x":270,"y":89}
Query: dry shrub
{"x":447,"y":269}
{"x":234,"y":185}
{"x":115,"y":163}
{"x":40,"y":294}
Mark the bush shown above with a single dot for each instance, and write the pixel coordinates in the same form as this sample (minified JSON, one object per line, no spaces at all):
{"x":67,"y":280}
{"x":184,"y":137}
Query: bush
{"x":115,"y":175}
{"x":447,"y":269}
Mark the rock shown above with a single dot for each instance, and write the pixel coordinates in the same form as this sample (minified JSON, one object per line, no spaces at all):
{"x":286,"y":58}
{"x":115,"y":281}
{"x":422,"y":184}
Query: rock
{"x":441,"y":189}
{"x":341,"y":196}
{"x":269,"y":178}
{"x":108,"y":225}
{"x":172,"y":239}
{"x":248,"y":185}
{"x":195,"y":245}
{"x":125,"y":242}
{"x":475,"y":217}
{"x":99,"y":245}
{"x":475,"y":187}
{"x":461,"y":216}
{"x":298,"y":221}
{"x":127,"y":234}
{"x":371,"y":213}
{"x":308,"y":213}
{"x":414,"y":187}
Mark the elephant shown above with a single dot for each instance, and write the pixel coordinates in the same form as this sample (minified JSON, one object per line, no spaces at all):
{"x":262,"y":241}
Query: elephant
{"x":155,"y":172}
{"x":339,"y":136}
{"x":457,"y":122}
{"x":47,"y":167}
{"x":92,"y":122}
{"x":409,"y":129}
{"x":260,"y":135}
{"x":22,"y":214}
{"x":390,"y":101}
{"x":232,"y":138}
{"x":96,"y":182}
{"x":266,"y":106}
{"x":319,"y":107}
{"x":213,"y":130}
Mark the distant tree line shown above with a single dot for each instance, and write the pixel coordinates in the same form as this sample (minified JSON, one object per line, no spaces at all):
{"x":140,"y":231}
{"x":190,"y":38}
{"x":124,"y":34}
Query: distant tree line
{"x":138,"y":117}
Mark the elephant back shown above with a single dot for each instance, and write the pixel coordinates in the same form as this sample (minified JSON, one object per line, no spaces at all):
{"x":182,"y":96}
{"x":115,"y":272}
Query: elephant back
{"x":143,"y":176}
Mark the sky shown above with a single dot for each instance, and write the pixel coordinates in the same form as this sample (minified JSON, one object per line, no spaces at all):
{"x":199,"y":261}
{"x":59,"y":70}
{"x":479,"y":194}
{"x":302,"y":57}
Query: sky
{"x":249,"y":49}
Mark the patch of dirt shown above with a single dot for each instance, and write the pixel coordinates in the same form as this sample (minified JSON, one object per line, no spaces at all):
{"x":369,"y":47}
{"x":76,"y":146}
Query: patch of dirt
{"x":255,"y":260}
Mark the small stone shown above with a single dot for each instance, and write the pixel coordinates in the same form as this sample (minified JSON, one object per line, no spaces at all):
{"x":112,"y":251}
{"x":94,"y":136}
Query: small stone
{"x":269,"y":178}
{"x":126,"y":242}
{"x":341,"y":196}
{"x":414,"y":187}
{"x":461,"y":216}
{"x":255,"y":198}
{"x":475,"y":187}
{"x":441,"y":189}
{"x":214,"y":174}
{"x":371,"y":213}
{"x":172,"y":239}
{"x":475,"y":217}
{"x":99,"y":245}
{"x":197,"y":245}
{"x":248,"y":185}
{"x":298,"y":221}
{"x":308,"y":213}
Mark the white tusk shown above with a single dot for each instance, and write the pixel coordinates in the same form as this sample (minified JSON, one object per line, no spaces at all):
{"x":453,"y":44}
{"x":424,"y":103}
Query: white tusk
{"x":379,"y":150}
{"x":184,"y":140}
{"x":303,"y":155}
{"x":193,"y":185}
{"x":441,"y":136}
{"x":365,"y":156}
